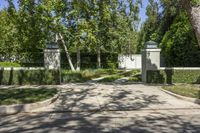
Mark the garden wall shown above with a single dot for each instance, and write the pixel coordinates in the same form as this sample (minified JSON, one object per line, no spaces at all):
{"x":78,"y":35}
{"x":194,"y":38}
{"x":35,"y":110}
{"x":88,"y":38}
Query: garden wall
{"x":174,"y":75}
{"x":28,"y":76}
{"x":130,"y":62}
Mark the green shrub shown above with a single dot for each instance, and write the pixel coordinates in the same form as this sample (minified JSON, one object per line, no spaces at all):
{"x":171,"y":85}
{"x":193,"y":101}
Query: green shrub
{"x":195,"y":2}
{"x":89,"y":74}
{"x":186,"y":76}
{"x":112,"y":65}
{"x":9,"y":64}
{"x":173,"y":76}
{"x":135,"y":78}
{"x":78,"y":76}
{"x":31,"y":77}
{"x":70,"y":76}
{"x":155,"y":77}
{"x":85,"y":75}
{"x":103,"y":72}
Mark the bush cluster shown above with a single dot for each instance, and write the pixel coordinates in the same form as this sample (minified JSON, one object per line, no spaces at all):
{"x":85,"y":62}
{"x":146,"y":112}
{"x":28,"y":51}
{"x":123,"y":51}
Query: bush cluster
{"x":195,"y":2}
{"x":30,"y":77}
{"x":174,"y":76}
{"x":9,"y":64}
{"x":85,"y":75}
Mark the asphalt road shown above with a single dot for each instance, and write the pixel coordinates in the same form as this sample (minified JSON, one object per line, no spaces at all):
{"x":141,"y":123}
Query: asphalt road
{"x":108,"y":108}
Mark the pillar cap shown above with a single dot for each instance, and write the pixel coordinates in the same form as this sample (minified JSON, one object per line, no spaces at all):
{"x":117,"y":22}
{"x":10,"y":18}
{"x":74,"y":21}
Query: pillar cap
{"x":151,"y":45}
{"x":152,"y":50}
{"x":52,"y":45}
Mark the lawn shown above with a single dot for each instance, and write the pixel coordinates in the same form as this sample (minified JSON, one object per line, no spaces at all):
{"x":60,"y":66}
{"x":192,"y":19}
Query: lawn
{"x":25,"y":95}
{"x":187,"y":90}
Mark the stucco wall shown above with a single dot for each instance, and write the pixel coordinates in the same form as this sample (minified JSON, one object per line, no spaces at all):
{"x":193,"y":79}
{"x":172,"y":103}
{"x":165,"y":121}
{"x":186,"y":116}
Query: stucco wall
{"x":130,"y":61}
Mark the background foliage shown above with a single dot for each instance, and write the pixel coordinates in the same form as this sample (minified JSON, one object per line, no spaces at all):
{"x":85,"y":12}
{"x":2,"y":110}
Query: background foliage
{"x":169,"y":25}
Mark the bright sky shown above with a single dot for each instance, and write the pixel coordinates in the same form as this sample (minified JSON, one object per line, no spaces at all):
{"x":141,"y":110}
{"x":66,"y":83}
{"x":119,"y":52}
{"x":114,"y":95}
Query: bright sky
{"x":142,"y":14}
{"x":3,"y":3}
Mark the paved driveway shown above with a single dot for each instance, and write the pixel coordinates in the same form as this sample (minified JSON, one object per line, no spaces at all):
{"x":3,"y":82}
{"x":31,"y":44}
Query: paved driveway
{"x":96,"y":108}
{"x":115,"y":97}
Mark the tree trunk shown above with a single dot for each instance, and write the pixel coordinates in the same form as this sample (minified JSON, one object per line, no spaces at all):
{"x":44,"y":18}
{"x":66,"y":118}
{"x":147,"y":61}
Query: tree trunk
{"x":98,"y":57}
{"x":67,"y":53}
{"x":196,"y":21}
{"x":78,"y":57}
{"x":194,"y":15}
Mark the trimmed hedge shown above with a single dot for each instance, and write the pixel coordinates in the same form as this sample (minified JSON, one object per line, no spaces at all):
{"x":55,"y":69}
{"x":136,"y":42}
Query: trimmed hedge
{"x":73,"y":77}
{"x":29,"y":77}
{"x":173,"y":76}
{"x":9,"y":64}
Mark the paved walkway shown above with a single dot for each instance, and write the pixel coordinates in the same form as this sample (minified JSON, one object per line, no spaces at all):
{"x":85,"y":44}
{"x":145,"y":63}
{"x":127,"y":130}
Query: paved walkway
{"x":96,"y":108}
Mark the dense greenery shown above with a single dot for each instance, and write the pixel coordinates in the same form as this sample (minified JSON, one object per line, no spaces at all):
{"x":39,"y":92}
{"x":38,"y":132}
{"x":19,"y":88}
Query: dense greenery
{"x":86,"y":75}
{"x":108,"y":75}
{"x":77,"y":26}
{"x":179,"y":45}
{"x":25,"y":95}
{"x":43,"y":77}
{"x":185,"y":90}
{"x":97,"y":26}
{"x":29,"y":77}
{"x":174,"y":76}
{"x":195,"y":2}
{"x":172,"y":29}
{"x":88,"y":60}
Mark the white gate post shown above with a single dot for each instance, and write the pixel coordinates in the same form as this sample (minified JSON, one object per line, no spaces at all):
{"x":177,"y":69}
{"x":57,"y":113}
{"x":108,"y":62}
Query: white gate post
{"x":52,"y":57}
{"x":150,"y":59}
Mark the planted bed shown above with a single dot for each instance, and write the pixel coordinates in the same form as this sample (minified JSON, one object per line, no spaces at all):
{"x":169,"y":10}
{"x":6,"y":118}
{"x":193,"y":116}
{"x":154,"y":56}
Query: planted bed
{"x":25,"y":95}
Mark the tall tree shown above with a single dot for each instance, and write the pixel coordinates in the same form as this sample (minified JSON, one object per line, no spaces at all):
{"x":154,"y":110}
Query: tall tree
{"x":91,"y":25}
{"x":193,"y":9}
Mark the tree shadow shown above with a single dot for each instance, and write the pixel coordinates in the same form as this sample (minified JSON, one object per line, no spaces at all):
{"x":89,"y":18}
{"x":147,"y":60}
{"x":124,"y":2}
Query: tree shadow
{"x":107,"y":97}
{"x":90,"y":123}
{"x":76,"y":112}
{"x":154,"y":75}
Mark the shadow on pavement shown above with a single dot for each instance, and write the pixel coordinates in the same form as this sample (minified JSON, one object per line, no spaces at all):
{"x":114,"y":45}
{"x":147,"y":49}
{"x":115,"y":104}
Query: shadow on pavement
{"x":112,"y":114}
{"x":89,"y":123}
{"x":92,"y":98}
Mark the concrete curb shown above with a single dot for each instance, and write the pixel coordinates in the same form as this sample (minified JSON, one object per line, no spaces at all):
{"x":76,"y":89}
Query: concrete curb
{"x":194,"y":100}
{"x":26,"y":108}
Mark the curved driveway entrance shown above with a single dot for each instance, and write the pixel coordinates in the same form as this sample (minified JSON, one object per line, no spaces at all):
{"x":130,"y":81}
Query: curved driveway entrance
{"x":116,"y":97}
{"x":100,"y":108}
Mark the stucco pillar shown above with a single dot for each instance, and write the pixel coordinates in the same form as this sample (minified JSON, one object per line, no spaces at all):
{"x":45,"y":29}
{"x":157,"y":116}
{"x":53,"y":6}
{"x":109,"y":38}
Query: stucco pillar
{"x":52,"y":58}
{"x":150,"y":59}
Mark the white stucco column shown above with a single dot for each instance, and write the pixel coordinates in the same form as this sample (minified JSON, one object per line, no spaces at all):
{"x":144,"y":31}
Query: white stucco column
{"x":52,"y":58}
{"x":150,"y":60}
